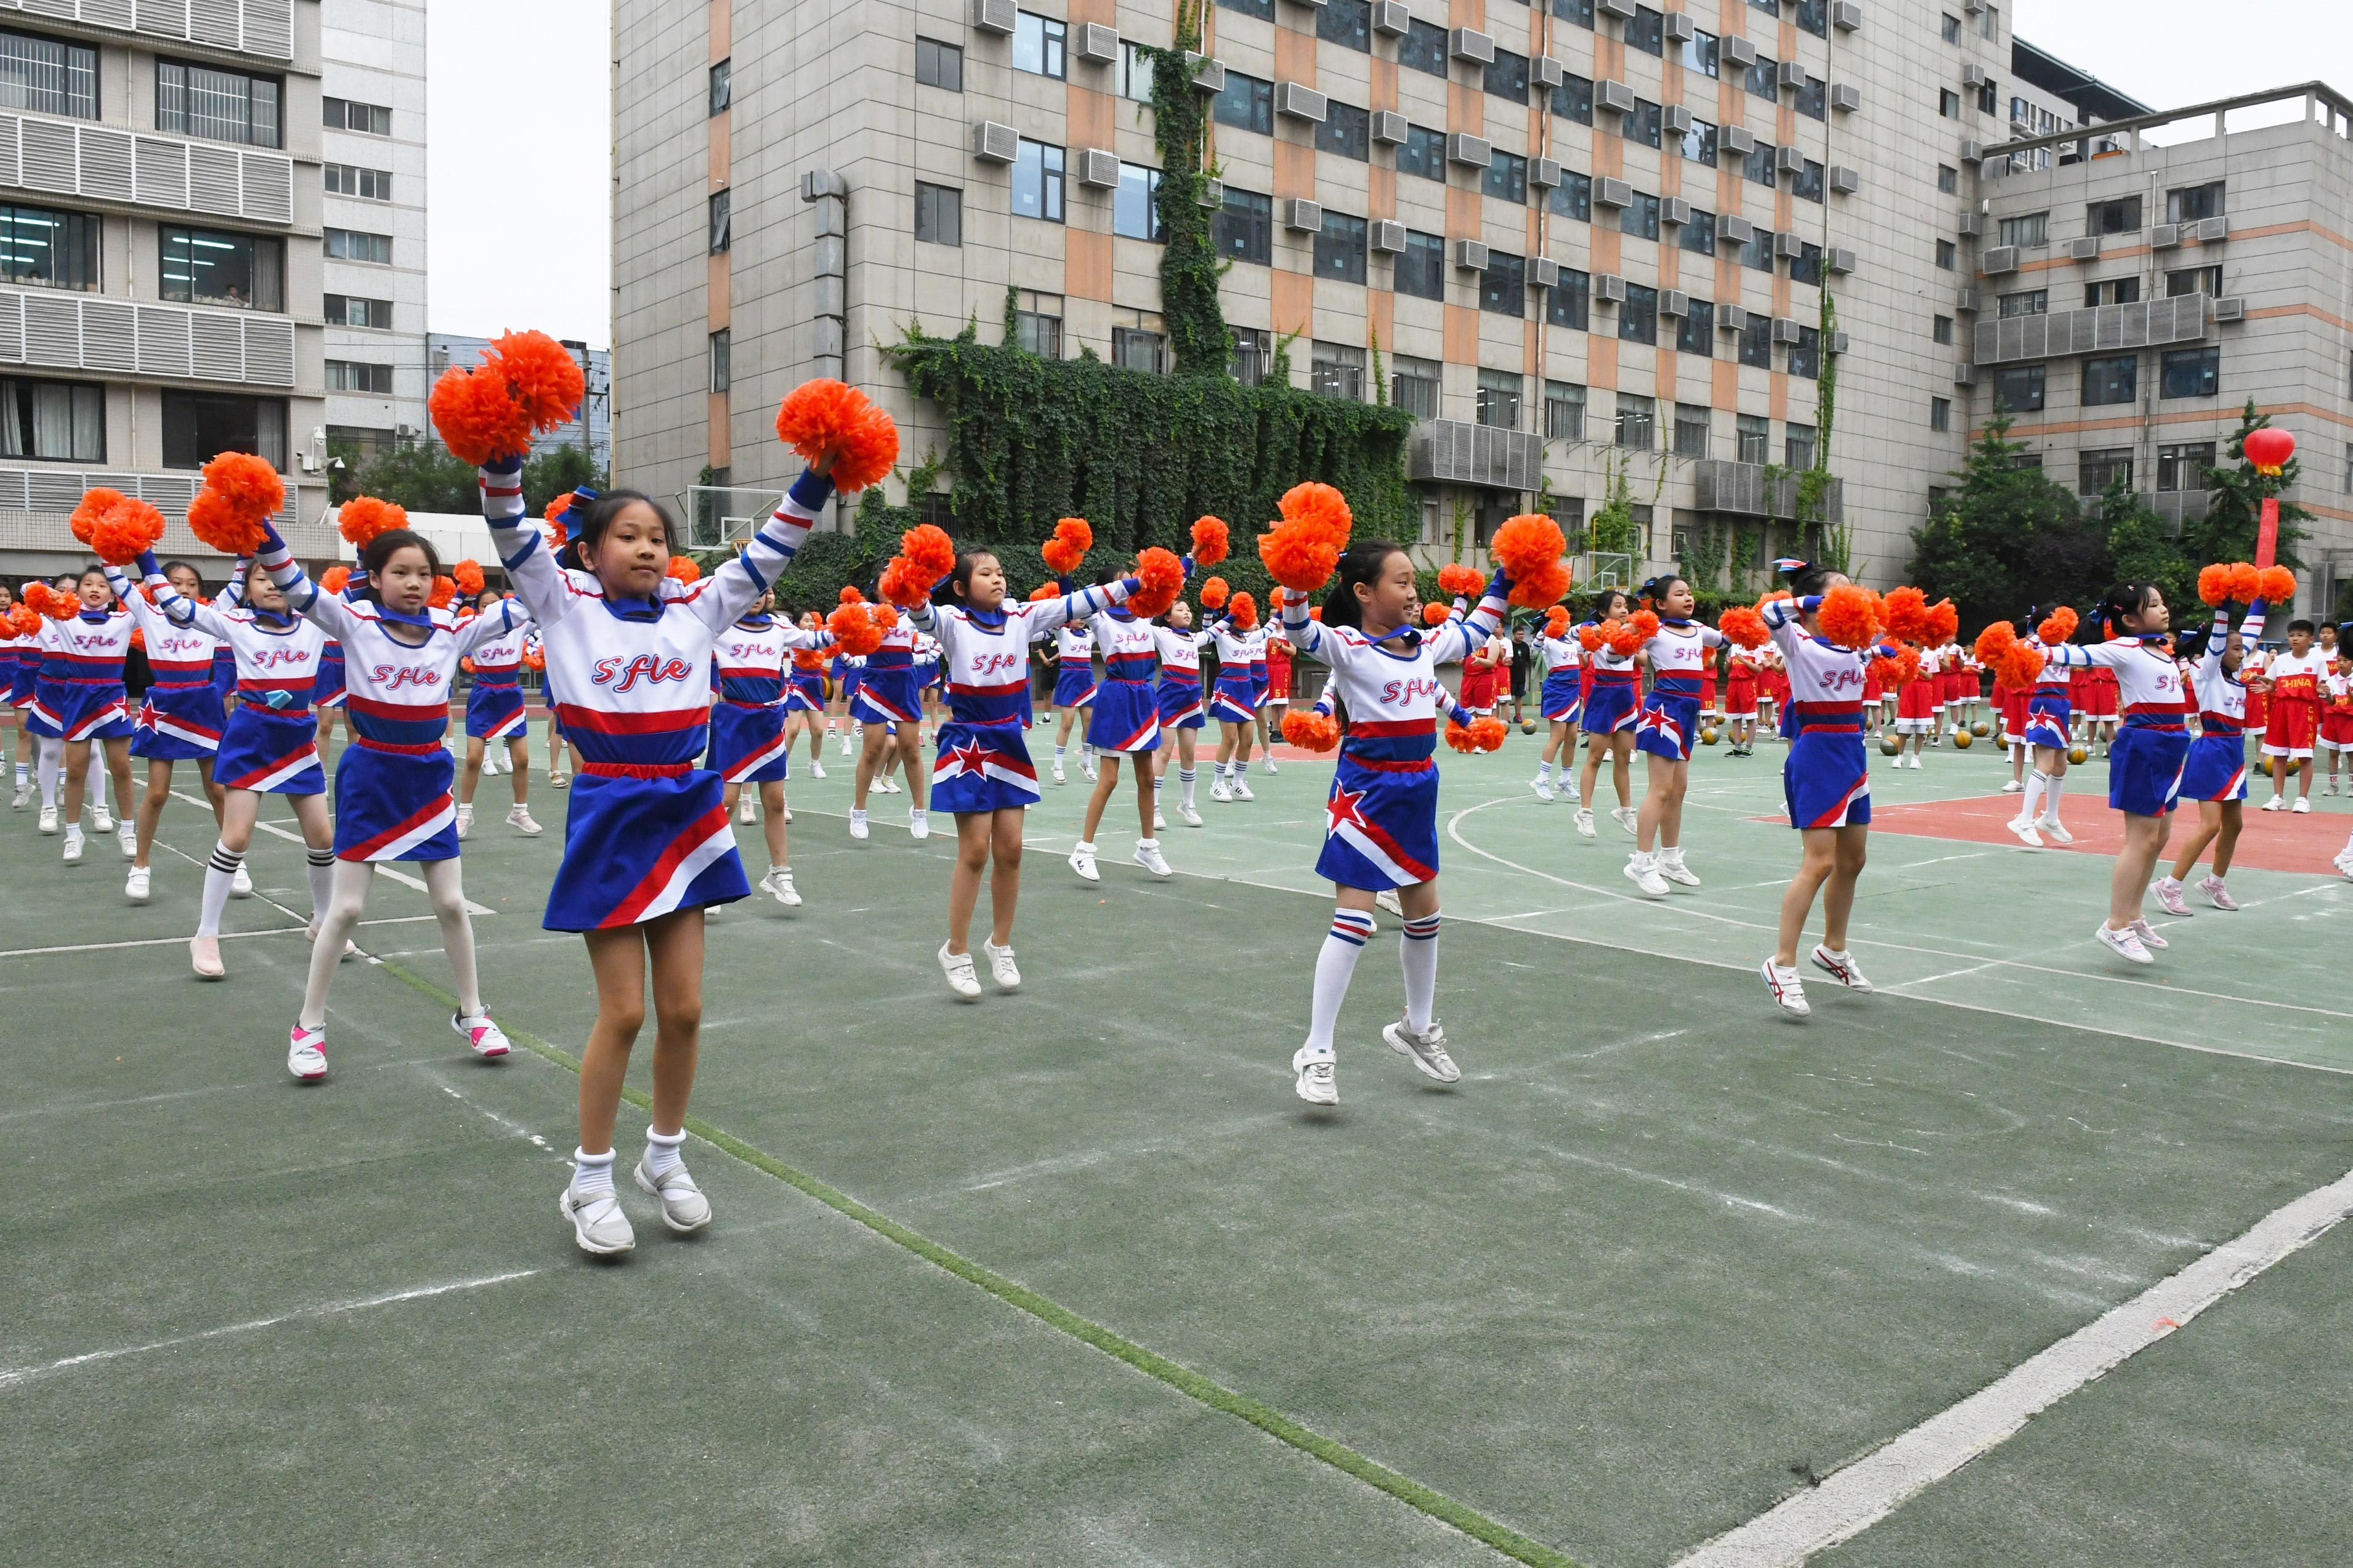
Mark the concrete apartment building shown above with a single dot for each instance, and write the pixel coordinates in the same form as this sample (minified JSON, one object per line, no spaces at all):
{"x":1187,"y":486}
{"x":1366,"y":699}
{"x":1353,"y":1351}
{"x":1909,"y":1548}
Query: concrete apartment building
{"x":160,"y":186}
{"x":1580,"y":232}
{"x":591,"y":427}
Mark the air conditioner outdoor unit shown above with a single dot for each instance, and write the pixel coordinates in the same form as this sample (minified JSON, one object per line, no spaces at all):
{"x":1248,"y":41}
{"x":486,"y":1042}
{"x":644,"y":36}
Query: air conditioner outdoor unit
{"x":1211,"y":193}
{"x":1736,"y":139}
{"x":1209,"y":75}
{"x":2229,"y":308}
{"x":1967,"y":299}
{"x":1846,"y":97}
{"x":1845,"y":181}
{"x":1609,"y":287}
{"x":1731,"y":319}
{"x":1609,"y":192}
{"x":1299,"y":102}
{"x":1791,"y":74}
{"x":1302,"y":216}
{"x":1972,"y":151}
{"x":1732,"y":49}
{"x":995,"y":143}
{"x":1317,"y":4}
{"x":1546,"y":72}
{"x":1388,"y":127}
{"x":1733,"y":229}
{"x":1675,"y":210}
{"x":1846,"y":15}
{"x":1679,"y":27}
{"x":1544,"y":173}
{"x":1997,"y":261}
{"x":995,"y":15}
{"x":1614,"y":95}
{"x":1543,"y":272}
{"x":1471,"y":254}
{"x":1674,"y":302}
{"x":1676,"y":121}
{"x":1094,"y":42}
{"x":1788,"y":242}
{"x":1621,"y":9}
{"x":1965,"y":374}
{"x":1790,"y":160}
{"x":1971,"y":227}
{"x":1391,"y":17}
{"x":1471,"y":151}
{"x":2086,"y":249}
{"x":2165,"y":237}
{"x":2207,"y":230}
{"x":1784,"y":330}
{"x":1098,"y":168}
{"x":1839,"y":258}
{"x":1386,"y":236}
{"x":1470,"y":44}
{"x":1974,"y":77}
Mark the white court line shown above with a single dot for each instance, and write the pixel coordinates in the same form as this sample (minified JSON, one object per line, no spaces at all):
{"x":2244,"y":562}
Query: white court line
{"x":1852,"y":1500}
{"x":183,"y":942}
{"x":1948,"y":974}
{"x":382,"y":868}
{"x":14,"y":1376}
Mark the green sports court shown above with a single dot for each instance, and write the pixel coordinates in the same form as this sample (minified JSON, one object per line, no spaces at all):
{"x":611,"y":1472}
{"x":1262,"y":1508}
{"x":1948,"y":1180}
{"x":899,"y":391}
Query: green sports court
{"x":2026,"y":1259}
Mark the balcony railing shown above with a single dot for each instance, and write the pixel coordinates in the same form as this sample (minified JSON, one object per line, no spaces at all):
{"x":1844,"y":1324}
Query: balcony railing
{"x":1751,"y":489}
{"x":100,"y":163}
{"x":1447,"y":452}
{"x":2145,"y":323}
{"x":249,"y":27}
{"x":122,"y":337}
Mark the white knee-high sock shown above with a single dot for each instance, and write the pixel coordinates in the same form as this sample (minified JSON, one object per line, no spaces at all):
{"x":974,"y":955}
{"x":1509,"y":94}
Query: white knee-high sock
{"x":218,"y":872}
{"x":346,"y":901}
{"x":1185,"y":780}
{"x":2038,"y":783}
{"x":98,"y":778}
{"x":446,"y":886}
{"x":322,"y":882}
{"x":1351,"y":929}
{"x":48,"y":764}
{"x":1418,"y":952}
{"x":2057,"y":783}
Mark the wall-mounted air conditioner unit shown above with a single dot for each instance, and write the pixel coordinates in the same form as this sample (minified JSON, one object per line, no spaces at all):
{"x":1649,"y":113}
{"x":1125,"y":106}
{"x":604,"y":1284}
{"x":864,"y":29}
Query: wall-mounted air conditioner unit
{"x":999,"y":16}
{"x":1302,"y":216}
{"x":1471,"y":254}
{"x":1609,"y":192}
{"x":1386,"y":236}
{"x":1609,"y":287}
{"x":1784,"y":330}
{"x":1732,"y":49}
{"x":1298,"y":102}
{"x":1846,"y":97}
{"x":1675,"y":210}
{"x":1471,"y":151}
{"x":995,"y":143}
{"x":1543,"y":272}
{"x":1736,"y":140}
{"x":1472,"y":45}
{"x":1731,"y":319}
{"x":1094,"y":42}
{"x":2085,"y":248}
{"x":1544,"y":173}
{"x":1845,"y":181}
{"x":1392,"y":18}
{"x":1095,"y":167}
{"x":1615,"y":96}
{"x":1674,"y":302}
{"x":1388,"y":127}
{"x":1997,"y":261}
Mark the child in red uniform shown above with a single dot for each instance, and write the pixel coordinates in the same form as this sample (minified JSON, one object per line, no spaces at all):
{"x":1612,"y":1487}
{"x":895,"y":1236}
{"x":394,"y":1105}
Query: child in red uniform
{"x":1479,"y":675}
{"x":1278,"y":673}
{"x":1740,"y":700}
{"x":2337,"y":715}
{"x":2293,"y":727}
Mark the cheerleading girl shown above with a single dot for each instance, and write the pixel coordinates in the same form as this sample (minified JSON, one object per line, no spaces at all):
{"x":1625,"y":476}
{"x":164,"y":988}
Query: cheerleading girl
{"x":180,"y":720}
{"x":2049,"y":726}
{"x":2215,"y":777}
{"x":494,"y":711}
{"x":888,"y":705}
{"x":1124,"y":724}
{"x":20,"y":660}
{"x":1241,"y":643}
{"x":2144,"y":772}
{"x":1179,"y":700}
{"x":328,"y":700}
{"x":1561,"y":699}
{"x":927,"y":694}
{"x":983,"y":773}
{"x":79,"y":699}
{"x":1825,"y":778}
{"x":1262,"y":682}
{"x":748,"y":744}
{"x":1611,"y":707}
{"x":846,"y":672}
{"x":805,"y":698}
{"x":1074,"y":689}
{"x":1676,"y":653}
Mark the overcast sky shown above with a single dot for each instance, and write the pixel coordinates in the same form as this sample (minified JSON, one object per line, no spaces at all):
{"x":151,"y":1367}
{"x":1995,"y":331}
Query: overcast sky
{"x":519,"y":140}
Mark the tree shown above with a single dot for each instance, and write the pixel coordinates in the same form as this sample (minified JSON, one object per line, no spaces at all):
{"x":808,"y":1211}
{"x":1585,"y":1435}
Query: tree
{"x":422,"y":477}
{"x":2010,"y":537}
{"x":2235,"y":506}
{"x":2142,"y":548}
{"x":555,"y":472}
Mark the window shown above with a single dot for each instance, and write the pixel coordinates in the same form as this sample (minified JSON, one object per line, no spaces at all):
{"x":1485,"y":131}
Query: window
{"x":722,"y":369}
{"x":1638,"y":314}
{"x":47,"y":76}
{"x":1423,"y":153}
{"x":1941,"y":330}
{"x":1754,"y":433}
{"x":1039,"y":44}
{"x":52,"y":421}
{"x":1573,"y":99}
{"x":1503,"y":286}
{"x":1413,"y":385}
{"x":1642,"y":123}
{"x":199,"y":427}
{"x":1952,"y":29}
{"x":2019,"y":388}
{"x":1814,"y":16}
{"x":939,"y":213}
{"x":1251,"y":349}
{"x":1340,"y":248}
{"x":1638,"y":422}
{"x":352,"y":244}
{"x":1989,"y":99}
{"x":351,"y":310}
{"x":2097,"y":466}
{"x":1573,"y":197}
{"x":49,"y":249}
{"x":1800,"y":446}
{"x":1690,"y":430}
{"x":1813,"y":98}
{"x":1349,"y":23}
{"x":2111,"y":291}
{"x":217,"y":105}
{"x":1038,"y":181}
{"x":1499,"y":398}
{"x":1569,"y":302}
{"x":1244,"y":227}
{"x":2194,"y":281}
{"x":721,"y":222}
{"x":1945,"y":254}
{"x":1564,"y":411}
{"x":1647,"y":31}
{"x":1990,"y":21}
{"x":2192,"y":203}
{"x":1423,"y":48}
{"x":2027,"y":302}
{"x":1135,"y":205}
{"x":1756,"y":250}
{"x":1695,"y":332}
{"x":351,"y":375}
{"x":1806,"y":354}
{"x":1578,"y":11}
{"x":1806,"y":267}
{"x":1756,"y":342}
{"x":1940,"y":414}
{"x":1948,"y":103}
{"x":1346,"y":130}
{"x":1337,"y":370}
{"x":1507,"y":177}
{"x":1699,"y":143}
{"x":375,"y":118}
{"x":2033,"y":228}
{"x":1262,"y":9}
{"x":2191,"y":372}
{"x":208,"y":266}
{"x":1948,"y":179}
{"x":367,"y":185}
{"x":1135,"y":82}
{"x":1643,"y":516}
{"x":1639,"y":216}
{"x":1420,"y":267}
{"x":2182,"y":466}
{"x":1763,"y":81}
{"x":1760,"y":166}
{"x":1038,"y":325}
{"x":2120,"y":216}
{"x":1246,"y":103}
{"x":1700,"y":52}
{"x":1507,"y":76}
{"x":1698,"y":235}
{"x":1133,"y":348}
{"x":1807,"y":184}
{"x":937,"y":65}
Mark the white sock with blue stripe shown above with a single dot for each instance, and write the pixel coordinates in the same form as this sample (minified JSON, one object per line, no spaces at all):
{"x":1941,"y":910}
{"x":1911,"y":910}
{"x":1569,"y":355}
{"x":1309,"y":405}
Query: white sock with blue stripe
{"x":1185,"y":777}
{"x":1334,"y":966}
{"x":2051,"y":786}
{"x":1418,"y":952}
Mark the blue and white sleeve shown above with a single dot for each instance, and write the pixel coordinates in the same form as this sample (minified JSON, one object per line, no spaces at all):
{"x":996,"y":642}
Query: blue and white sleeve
{"x":738,"y":584}
{"x":521,"y":546}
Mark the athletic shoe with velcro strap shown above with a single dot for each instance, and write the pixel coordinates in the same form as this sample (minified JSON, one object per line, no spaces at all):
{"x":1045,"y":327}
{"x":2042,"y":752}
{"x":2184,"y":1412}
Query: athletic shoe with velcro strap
{"x":683,"y":1207}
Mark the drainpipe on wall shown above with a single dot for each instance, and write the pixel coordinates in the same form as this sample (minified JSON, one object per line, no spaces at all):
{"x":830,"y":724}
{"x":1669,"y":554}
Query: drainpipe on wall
{"x":828,"y":192}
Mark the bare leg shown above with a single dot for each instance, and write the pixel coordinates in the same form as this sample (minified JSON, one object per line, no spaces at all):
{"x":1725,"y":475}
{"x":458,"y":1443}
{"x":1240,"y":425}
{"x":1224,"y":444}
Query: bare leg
{"x":974,"y":833}
{"x":1005,"y":880}
{"x":2145,"y":839}
{"x":470,"y":776}
{"x":151,"y":807}
{"x":519,"y":758}
{"x":618,"y":958}
{"x":1654,"y":801}
{"x":2226,"y":842}
{"x":1105,"y":780}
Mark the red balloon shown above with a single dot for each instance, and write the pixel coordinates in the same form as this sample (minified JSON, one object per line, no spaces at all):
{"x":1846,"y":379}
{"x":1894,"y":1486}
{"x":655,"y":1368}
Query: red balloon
{"x":2270,"y":448}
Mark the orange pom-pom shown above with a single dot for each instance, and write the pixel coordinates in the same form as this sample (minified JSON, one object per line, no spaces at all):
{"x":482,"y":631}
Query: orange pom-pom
{"x":1213,"y":594}
{"x":1906,"y":615}
{"x":2276,"y":585}
{"x":1435,"y":614}
{"x":1073,"y":537}
{"x":854,"y":630}
{"x":1315,"y":613}
{"x":1162,"y":576}
{"x":904,"y":585}
{"x":1487,"y":734}
{"x":138,"y":638}
{"x":886,"y":618}
{"x":1589,"y":639}
{"x":557,"y":507}
{"x":811,"y":659}
{"x":2246,"y":582}
{"x":826,"y":416}
{"x":1456,"y":581}
{"x":850,"y":596}
{"x":2056,"y":628}
{"x":540,"y":375}
{"x":1458,"y":736}
{"x":444,"y":593}
{"x":1848,"y":617}
{"x":1745,"y":627}
{"x":1302,"y":550}
{"x":1994,"y":641}
{"x":1645,"y":625}
{"x":1943,"y":623}
{"x":1557,"y":622}
{"x":1311,"y":730}
{"x":2020,"y":666}
{"x":929,"y":550}
{"x":1210,"y":541}
{"x":1529,"y":547}
{"x":2214,"y":584}
{"x":534,"y":659}
{"x":1244,"y":611}
{"x":475,"y":417}
{"x":212,"y":520}
{"x":682,"y":569}
{"x":1319,"y":506}
{"x":1043,"y":591}
{"x":125,"y":528}
{"x":249,"y":485}
{"x":335,"y":578}
{"x":1625,"y":638}
{"x":96,"y":502}
{"x":468,"y":576}
{"x":361,"y":518}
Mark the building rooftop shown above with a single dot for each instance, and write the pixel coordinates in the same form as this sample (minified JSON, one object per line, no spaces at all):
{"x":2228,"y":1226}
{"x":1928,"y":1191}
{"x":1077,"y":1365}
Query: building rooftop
{"x":2093,"y":99}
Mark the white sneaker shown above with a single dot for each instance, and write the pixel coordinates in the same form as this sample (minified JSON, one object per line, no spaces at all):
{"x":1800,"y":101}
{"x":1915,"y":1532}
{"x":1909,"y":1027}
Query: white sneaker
{"x":2331,"y":789}
{"x":73,"y":846}
{"x":887,"y":785}
{"x":1642,"y":871}
{"x":598,"y":1222}
{"x":858,"y":825}
{"x":1316,"y":1083}
{"x":683,"y":1207}
{"x":2168,"y":897}
{"x":919,"y":823}
{"x":1841,"y":967}
{"x":1240,"y":788}
{"x":957,"y":966}
{"x":520,"y":819}
{"x":1787,"y":988}
{"x":1148,"y":856}
{"x":2148,"y":937}
{"x":1089,"y":770}
{"x":747,"y":809}
{"x":2217,"y":894}
{"x":24,"y":796}
{"x":1082,"y":861}
{"x":135,"y":887}
{"x":240,"y":886}
{"x":1000,"y":966}
{"x":1388,"y":899}
{"x":102,"y":819}
{"x":306,"y":1053}
{"x":2302,"y":805}
{"x":1268,"y":764}
{"x":2013,"y":788}
{"x":2126,"y":942}
{"x":483,"y":1037}
{"x":127,"y":836}
{"x":1217,"y":791}
{"x":1159,"y":819}
{"x":845,"y":745}
{"x":778,"y":883}
{"x":1427,"y":1051}
{"x":2276,"y":802}
{"x":2050,"y":825}
{"x":1584,"y":822}
{"x":1543,"y":788}
{"x":1626,"y":816}
{"x":817,"y":767}
{"x":204,"y":957}
{"x":788,"y":812}
{"x":1057,"y":770}
{"x":1671,"y":867}
{"x":48,"y":819}
{"x":1188,"y":816}
{"x":465,"y":821}
{"x":2025,"y":831}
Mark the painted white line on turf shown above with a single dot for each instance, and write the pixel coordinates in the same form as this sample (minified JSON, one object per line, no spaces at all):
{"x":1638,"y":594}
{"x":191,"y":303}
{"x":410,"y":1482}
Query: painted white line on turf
{"x":1852,"y":1500}
{"x":1948,"y":974}
{"x":383,"y":869}
{"x":13,"y":1377}
{"x":183,"y":942}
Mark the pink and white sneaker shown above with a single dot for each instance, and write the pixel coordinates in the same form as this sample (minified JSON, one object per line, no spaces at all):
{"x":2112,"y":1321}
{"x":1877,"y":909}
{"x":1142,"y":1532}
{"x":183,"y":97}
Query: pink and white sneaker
{"x":2168,"y":897}
{"x":2148,"y":937}
{"x":2217,"y":894}
{"x":486,"y":1038}
{"x":306,"y":1053}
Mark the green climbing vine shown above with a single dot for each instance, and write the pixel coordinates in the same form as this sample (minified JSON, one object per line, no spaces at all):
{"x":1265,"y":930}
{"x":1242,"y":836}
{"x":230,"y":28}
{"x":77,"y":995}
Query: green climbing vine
{"x":1835,"y":548}
{"x":1189,"y":266}
{"x":1612,"y":529}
